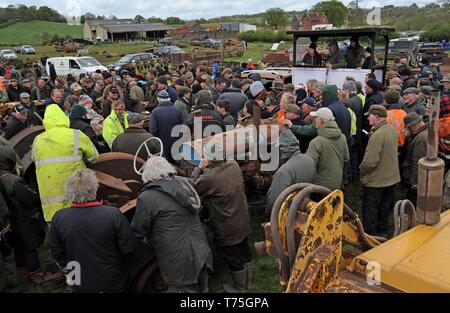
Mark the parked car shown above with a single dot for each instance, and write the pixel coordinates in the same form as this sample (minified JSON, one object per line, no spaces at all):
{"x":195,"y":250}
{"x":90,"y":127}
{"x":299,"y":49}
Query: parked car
{"x":26,"y":49}
{"x":8,"y":54}
{"x":74,"y":65}
{"x":405,"y":48}
{"x":211,"y":43}
{"x":167,"y":40}
{"x":126,"y":61}
{"x":433,"y":51}
{"x":165,"y":51}
{"x":82,"y":41}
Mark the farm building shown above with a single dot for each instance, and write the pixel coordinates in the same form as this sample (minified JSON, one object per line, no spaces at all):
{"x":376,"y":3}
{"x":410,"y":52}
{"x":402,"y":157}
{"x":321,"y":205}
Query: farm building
{"x":237,"y":27}
{"x":123,"y":29}
{"x":308,"y":20}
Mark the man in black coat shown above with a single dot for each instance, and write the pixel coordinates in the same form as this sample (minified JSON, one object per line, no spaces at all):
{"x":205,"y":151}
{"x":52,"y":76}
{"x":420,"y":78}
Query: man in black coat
{"x":18,"y":121}
{"x":27,"y":223}
{"x":162,"y":120}
{"x":373,"y":96}
{"x":33,"y":117}
{"x":5,"y":226}
{"x":44,"y":90}
{"x":78,"y":120}
{"x":95,"y":236}
{"x":236,"y":98}
{"x":205,"y":111}
{"x":132,"y":138}
{"x":13,"y":90}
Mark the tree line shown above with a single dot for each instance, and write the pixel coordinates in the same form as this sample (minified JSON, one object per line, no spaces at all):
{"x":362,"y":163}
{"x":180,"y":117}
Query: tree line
{"x":21,"y":12}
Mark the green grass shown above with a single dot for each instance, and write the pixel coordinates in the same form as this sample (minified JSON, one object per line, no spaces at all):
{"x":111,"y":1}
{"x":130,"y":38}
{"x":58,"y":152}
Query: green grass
{"x":30,"y":32}
{"x":265,"y":269}
{"x":119,"y":49}
{"x":255,"y":50}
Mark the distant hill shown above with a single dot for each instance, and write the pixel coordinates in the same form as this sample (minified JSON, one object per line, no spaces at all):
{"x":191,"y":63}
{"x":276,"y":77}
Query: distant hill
{"x":31,"y":32}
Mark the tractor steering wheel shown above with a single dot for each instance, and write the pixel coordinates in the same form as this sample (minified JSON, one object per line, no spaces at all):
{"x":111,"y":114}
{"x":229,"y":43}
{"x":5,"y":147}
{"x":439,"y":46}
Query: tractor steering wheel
{"x":149,"y":154}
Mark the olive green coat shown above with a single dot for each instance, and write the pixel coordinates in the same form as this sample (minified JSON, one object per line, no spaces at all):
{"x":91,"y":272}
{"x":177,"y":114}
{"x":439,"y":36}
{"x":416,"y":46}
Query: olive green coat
{"x":330,"y":153}
{"x":379,"y":167}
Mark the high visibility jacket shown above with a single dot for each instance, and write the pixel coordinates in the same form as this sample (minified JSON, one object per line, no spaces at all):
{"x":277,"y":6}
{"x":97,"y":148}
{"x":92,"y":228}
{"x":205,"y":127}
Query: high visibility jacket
{"x":113,"y":128}
{"x":395,"y":118}
{"x":58,"y":153}
{"x":362,"y":97}
{"x":281,"y":116}
{"x":353,"y":127}
{"x":444,"y":134}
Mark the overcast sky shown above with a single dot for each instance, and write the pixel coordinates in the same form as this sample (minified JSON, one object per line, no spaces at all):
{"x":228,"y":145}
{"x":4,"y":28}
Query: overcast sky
{"x":186,"y":9}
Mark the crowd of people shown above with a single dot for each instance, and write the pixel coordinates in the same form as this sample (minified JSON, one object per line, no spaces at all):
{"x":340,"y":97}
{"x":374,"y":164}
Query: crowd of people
{"x":329,"y":135}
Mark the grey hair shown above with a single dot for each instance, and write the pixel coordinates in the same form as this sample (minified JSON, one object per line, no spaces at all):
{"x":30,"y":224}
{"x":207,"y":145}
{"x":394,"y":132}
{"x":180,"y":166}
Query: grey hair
{"x":157,"y":168}
{"x":82,"y":186}
{"x":161,"y":100}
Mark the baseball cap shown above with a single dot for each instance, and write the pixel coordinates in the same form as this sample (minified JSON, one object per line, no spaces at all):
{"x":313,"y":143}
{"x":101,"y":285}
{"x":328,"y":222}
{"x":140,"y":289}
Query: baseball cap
{"x":324,"y":113}
{"x":310,"y":101}
{"x":163,"y":94}
{"x":24,"y":95}
{"x":377,"y":109}
{"x":256,"y":88}
{"x":20,"y":108}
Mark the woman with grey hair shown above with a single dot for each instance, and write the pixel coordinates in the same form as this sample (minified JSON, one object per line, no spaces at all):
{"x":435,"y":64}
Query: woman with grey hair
{"x":96,"y":236}
{"x":167,"y":218}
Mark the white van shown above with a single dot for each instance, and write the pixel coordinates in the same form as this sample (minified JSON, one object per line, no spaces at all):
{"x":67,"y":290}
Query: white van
{"x":74,"y":65}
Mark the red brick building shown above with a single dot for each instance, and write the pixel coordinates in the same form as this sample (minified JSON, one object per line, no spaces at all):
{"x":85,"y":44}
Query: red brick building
{"x":308,"y":20}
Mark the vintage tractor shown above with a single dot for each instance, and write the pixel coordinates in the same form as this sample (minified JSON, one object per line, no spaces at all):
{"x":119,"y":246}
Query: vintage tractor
{"x":320,"y":244}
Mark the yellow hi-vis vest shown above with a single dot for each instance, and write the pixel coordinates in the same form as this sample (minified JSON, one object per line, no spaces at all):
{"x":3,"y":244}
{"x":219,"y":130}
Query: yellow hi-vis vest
{"x":113,"y":128}
{"x":58,"y":153}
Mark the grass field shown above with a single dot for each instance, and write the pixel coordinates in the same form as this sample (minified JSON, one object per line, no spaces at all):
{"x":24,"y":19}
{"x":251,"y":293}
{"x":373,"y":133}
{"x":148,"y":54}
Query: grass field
{"x":265,"y":269}
{"x":30,"y":32}
{"x":254,"y":50}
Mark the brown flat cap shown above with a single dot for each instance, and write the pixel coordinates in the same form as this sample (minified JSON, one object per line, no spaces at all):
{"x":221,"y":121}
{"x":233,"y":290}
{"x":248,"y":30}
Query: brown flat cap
{"x":378,"y":110}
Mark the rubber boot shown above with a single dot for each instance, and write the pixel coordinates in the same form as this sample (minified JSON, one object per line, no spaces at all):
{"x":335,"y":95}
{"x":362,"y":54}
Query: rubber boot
{"x":239,"y":282}
{"x":248,"y":269}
